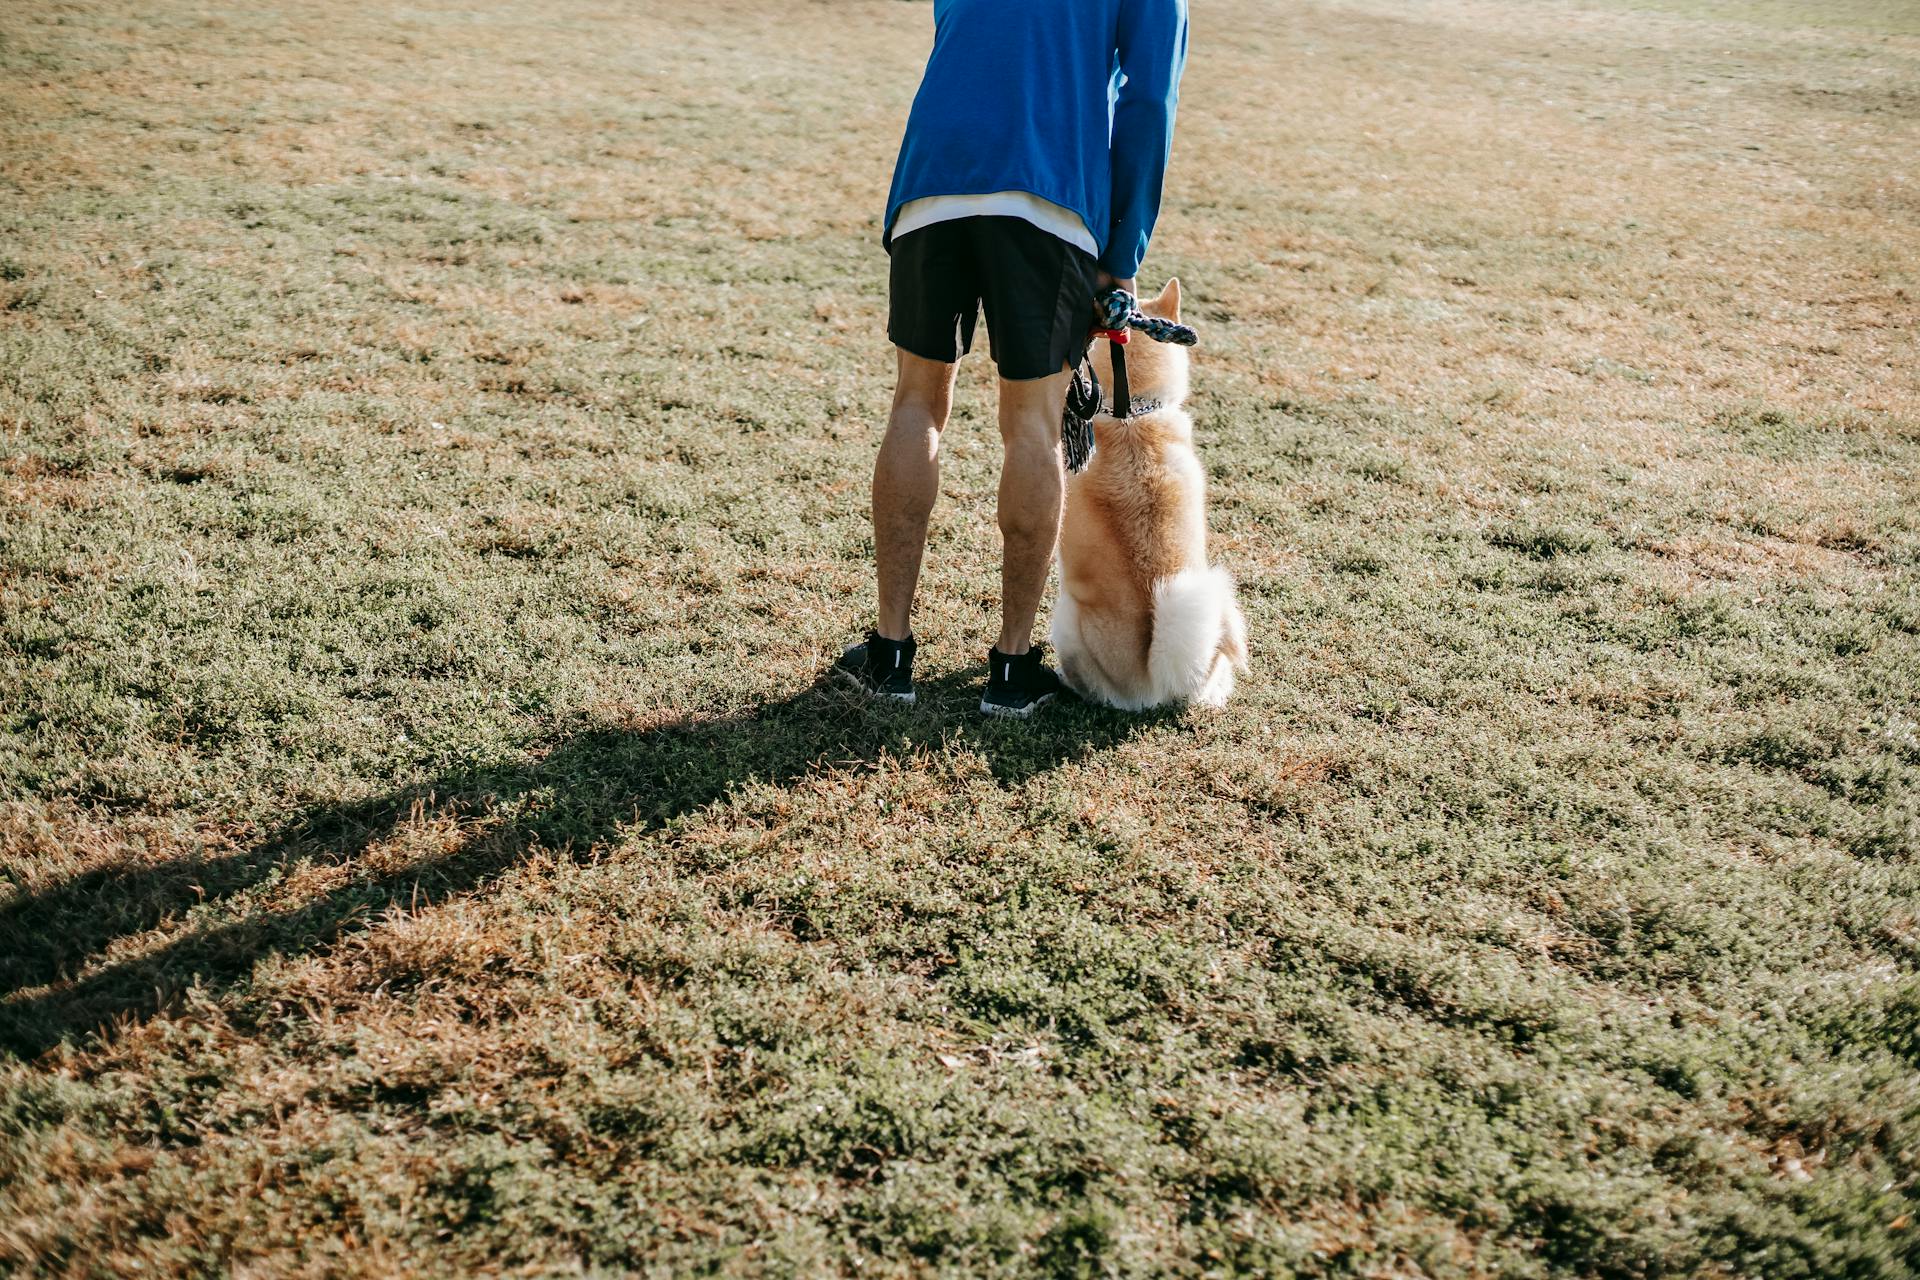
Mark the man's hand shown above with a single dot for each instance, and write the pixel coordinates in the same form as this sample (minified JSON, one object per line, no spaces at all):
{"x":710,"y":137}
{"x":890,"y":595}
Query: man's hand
{"x":1103,"y":282}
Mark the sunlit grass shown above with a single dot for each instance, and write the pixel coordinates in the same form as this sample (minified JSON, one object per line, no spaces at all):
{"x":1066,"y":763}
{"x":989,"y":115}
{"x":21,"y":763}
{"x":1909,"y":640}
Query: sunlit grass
{"x":434,"y":474}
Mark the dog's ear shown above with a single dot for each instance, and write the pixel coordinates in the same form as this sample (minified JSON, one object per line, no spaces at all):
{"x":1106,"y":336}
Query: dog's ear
{"x":1167,"y":305}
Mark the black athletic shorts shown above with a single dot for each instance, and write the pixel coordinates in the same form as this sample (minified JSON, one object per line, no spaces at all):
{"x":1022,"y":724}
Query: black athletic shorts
{"x":1038,"y":291}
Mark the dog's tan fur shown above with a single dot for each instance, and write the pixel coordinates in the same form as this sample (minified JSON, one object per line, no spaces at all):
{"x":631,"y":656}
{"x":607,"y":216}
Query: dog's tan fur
{"x":1133,"y":550}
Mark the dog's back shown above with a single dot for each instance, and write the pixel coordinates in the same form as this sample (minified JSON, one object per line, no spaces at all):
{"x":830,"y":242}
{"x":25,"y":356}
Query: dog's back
{"x":1142,"y":619}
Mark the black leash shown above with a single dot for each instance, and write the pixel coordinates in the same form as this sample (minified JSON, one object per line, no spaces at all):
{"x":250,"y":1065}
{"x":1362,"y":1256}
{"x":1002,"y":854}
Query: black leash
{"x":1119,"y":314}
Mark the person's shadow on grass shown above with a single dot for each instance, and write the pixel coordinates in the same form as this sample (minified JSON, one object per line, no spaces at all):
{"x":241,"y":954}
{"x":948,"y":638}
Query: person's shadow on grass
{"x":586,"y":790}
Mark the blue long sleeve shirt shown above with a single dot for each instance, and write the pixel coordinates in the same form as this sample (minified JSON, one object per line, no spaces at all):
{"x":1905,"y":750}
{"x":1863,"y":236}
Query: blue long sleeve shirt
{"x":1070,"y":100}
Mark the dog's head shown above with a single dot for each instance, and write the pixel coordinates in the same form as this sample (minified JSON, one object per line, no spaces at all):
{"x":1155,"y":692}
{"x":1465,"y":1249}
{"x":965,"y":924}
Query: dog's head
{"x":1156,"y":371}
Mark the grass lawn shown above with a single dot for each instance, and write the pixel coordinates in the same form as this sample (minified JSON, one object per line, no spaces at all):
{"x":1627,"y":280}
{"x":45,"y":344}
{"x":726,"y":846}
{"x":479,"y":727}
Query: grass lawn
{"x":434,"y":446}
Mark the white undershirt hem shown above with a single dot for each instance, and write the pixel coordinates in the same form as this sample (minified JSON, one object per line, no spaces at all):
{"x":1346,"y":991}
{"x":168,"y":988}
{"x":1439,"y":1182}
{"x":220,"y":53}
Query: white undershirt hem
{"x":1045,"y":214}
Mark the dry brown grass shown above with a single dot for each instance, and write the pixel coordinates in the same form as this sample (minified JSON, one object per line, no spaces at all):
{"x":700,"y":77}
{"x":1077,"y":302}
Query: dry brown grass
{"x":434,"y":457}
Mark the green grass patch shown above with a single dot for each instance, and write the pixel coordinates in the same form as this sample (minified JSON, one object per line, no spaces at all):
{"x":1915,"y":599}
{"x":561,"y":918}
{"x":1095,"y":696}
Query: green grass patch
{"x":434,"y":452}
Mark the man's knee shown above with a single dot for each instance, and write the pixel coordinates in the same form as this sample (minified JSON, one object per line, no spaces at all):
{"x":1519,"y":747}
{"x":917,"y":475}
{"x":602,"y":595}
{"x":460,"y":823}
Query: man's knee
{"x":1030,"y":436}
{"x":1030,"y":410}
{"x":1030,"y":458}
{"x":1032,"y":489}
{"x":924,"y":389}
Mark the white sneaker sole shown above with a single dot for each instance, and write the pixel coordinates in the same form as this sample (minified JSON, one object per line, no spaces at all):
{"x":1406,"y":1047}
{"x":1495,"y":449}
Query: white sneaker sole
{"x":904,"y":699}
{"x":1015,"y":713}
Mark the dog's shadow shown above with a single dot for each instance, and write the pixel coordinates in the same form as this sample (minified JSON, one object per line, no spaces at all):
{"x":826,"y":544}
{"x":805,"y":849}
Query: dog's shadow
{"x":589,"y":788}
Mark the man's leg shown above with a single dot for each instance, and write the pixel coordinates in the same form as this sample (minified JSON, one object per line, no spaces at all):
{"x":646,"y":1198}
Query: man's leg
{"x":1032,"y":486}
{"x":906,"y":479}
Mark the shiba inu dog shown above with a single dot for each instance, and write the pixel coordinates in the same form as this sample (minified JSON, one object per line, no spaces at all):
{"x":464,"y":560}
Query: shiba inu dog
{"x":1143,"y":620}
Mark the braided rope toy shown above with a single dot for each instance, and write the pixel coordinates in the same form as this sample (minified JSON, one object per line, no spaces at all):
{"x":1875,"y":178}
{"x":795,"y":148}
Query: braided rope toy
{"x":1120,"y":313}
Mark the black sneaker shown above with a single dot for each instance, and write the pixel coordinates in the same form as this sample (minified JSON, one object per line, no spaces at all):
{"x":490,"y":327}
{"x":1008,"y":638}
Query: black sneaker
{"x":881,"y":667}
{"x":1016,"y":685}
